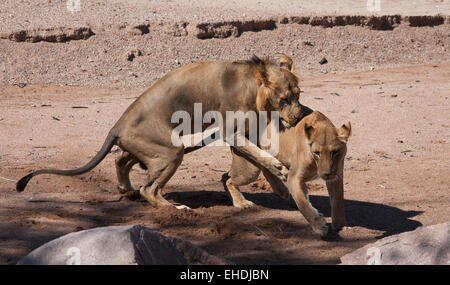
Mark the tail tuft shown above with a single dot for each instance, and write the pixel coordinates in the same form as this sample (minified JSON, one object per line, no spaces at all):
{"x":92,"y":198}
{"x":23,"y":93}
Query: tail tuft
{"x":22,"y":183}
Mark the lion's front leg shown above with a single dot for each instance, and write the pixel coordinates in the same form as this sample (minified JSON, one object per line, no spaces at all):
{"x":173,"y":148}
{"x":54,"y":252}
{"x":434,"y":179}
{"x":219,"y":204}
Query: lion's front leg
{"x":263,"y":159}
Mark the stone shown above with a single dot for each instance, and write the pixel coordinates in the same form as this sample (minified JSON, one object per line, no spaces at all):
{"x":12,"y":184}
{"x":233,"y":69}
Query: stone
{"x":423,"y":246}
{"x":119,"y":245}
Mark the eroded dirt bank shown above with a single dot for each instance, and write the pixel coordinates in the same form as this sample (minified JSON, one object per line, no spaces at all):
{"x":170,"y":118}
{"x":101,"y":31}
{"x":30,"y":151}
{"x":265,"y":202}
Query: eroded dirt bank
{"x":130,"y":44}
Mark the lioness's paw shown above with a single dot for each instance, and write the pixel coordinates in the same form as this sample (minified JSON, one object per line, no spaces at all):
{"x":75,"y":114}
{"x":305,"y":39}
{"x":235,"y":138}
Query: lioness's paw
{"x":320,"y":226}
{"x":123,"y":189}
{"x":338,"y":225}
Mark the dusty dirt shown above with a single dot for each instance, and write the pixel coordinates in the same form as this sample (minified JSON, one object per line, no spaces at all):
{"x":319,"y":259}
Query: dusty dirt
{"x":396,"y":172}
{"x":130,"y":44}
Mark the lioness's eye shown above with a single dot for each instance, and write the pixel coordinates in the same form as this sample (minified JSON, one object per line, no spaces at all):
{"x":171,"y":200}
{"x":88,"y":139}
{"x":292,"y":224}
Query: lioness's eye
{"x":317,"y":153}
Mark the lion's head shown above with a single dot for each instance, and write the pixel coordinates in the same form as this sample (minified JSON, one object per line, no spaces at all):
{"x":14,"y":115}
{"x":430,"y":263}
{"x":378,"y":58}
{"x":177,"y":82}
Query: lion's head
{"x":327,"y":144}
{"x":278,"y":88}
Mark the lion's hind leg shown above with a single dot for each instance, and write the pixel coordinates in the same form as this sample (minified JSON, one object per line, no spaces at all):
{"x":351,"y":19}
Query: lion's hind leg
{"x":124,"y":163}
{"x":161,"y":163}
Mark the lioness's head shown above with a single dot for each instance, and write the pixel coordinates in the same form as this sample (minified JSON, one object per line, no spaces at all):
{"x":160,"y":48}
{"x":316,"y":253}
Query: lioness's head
{"x":327,"y":144}
{"x":278,"y":89}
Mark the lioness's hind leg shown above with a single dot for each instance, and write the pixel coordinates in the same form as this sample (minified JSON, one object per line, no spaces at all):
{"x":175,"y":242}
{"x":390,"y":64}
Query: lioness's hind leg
{"x":242,"y":172}
{"x":124,"y":163}
{"x":235,"y":195}
{"x":278,"y":187}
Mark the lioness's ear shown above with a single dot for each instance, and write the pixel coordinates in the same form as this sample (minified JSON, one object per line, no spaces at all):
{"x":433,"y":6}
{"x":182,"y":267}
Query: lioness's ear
{"x":344,"y":132}
{"x":287,"y":63}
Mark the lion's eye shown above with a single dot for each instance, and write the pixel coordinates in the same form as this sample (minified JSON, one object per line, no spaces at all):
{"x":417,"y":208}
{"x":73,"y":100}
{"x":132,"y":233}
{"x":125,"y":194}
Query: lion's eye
{"x":317,"y":153}
{"x":284,"y":101}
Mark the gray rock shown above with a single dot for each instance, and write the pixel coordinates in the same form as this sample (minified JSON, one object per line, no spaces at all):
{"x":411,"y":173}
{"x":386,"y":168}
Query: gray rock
{"x":423,"y":246}
{"x":121,"y":245}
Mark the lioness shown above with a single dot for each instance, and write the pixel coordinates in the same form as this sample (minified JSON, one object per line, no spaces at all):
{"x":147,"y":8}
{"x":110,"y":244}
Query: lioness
{"x":314,"y":147}
{"x":144,"y":131}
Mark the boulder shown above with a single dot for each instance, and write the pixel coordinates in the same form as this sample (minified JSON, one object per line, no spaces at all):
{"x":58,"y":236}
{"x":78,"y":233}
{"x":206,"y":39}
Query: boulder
{"x":121,"y":245}
{"x":423,"y":246}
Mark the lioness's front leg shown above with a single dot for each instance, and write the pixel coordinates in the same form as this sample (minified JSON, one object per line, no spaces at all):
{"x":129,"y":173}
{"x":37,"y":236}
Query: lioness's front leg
{"x":299,"y":192}
{"x":336,"y":192}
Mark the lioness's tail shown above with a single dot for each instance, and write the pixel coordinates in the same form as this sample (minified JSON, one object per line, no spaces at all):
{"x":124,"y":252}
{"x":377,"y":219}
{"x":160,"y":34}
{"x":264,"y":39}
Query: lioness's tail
{"x":110,"y":141}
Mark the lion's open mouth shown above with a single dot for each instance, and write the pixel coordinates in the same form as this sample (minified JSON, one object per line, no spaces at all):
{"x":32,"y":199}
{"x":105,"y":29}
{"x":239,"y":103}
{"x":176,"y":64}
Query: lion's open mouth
{"x":285,"y":124}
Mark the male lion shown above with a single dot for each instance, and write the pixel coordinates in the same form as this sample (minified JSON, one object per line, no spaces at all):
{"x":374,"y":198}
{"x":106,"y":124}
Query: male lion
{"x":314,"y":147}
{"x":144,"y":130}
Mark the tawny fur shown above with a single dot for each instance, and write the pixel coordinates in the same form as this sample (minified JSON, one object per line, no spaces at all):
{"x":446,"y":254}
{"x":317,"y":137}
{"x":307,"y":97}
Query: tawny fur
{"x":313,"y":148}
{"x":144,"y":130}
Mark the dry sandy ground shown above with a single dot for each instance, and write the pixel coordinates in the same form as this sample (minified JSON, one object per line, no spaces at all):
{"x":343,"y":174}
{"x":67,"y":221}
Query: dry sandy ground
{"x":52,"y":59}
{"x":130,"y":44}
{"x":396,"y":174}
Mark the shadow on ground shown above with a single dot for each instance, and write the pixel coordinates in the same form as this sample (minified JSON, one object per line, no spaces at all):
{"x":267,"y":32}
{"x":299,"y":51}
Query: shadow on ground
{"x":390,"y":220}
{"x":216,"y":226}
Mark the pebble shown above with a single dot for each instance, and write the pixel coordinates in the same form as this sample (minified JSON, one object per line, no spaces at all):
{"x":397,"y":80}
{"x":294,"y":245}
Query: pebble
{"x":323,"y":61}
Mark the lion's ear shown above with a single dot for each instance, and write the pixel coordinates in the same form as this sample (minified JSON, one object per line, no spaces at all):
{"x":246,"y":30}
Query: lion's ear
{"x":263,"y":97}
{"x":344,"y":132}
{"x":287,"y":63}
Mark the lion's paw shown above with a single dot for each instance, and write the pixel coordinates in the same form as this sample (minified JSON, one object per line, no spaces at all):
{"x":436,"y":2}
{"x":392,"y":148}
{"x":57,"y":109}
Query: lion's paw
{"x":284,"y":173}
{"x":244,"y":204}
{"x":182,"y":207}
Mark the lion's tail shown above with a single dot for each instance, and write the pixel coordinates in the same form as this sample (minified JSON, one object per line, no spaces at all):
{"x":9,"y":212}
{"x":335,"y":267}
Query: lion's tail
{"x":110,"y":141}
